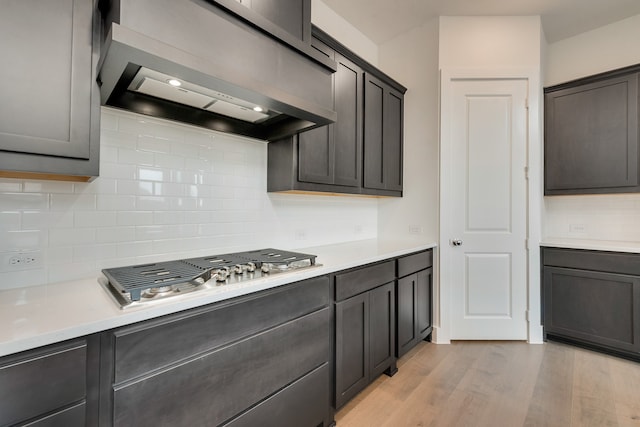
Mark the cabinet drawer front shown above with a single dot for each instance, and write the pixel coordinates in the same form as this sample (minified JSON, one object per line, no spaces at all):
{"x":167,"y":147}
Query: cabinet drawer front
{"x":144,"y":348}
{"x":363,"y":279}
{"x":610,"y":262}
{"x":216,"y":387}
{"x":416,"y":262}
{"x":41,"y":382}
{"x":594,"y":307}
{"x":302,"y":404}
{"x":69,"y":417}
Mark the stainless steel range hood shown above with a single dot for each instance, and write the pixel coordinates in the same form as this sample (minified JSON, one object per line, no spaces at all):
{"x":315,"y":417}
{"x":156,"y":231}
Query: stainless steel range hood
{"x":219,"y":72}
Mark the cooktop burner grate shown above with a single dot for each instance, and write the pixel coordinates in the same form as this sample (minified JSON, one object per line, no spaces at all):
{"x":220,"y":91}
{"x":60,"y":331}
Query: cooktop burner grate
{"x":136,"y":278}
{"x":181,"y":276}
{"x":216,"y":261}
{"x":277,"y":256}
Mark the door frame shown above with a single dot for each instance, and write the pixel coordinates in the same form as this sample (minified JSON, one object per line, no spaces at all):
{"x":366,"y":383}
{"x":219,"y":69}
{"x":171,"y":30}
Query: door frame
{"x":442,"y":292}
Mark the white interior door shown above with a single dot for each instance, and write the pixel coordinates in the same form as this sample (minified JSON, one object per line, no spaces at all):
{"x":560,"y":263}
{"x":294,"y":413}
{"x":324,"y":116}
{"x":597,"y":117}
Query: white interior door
{"x":488,"y":200}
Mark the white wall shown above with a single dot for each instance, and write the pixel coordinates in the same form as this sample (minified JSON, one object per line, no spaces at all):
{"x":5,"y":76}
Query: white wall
{"x":165,"y":191}
{"x":489,"y":41}
{"x":604,"y":217}
{"x":337,"y":27}
{"x":412,"y":59}
{"x":605,"y":48}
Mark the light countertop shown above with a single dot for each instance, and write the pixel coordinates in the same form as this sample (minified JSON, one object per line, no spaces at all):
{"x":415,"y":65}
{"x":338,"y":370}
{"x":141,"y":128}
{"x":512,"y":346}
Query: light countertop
{"x":595,"y":245}
{"x":40,"y":315}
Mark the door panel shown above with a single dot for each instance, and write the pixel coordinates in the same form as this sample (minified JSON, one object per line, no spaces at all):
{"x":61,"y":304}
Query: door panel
{"x":488,"y":200}
{"x":488,"y":287}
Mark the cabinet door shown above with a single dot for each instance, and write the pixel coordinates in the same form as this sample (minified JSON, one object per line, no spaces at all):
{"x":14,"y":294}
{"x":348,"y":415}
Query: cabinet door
{"x":383,"y":123}
{"x":591,"y":137}
{"x":51,"y":112}
{"x":382,"y":336}
{"x":352,"y":347}
{"x":333,"y":154}
{"x":424,"y":289}
{"x":407,"y":313}
{"x":316,"y":151}
{"x":593,"y":307}
{"x":348,"y":129}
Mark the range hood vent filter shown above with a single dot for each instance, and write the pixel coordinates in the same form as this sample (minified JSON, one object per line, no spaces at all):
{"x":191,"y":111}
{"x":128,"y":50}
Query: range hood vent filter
{"x":237,"y":111}
{"x":164,"y":90}
{"x":157,"y":84}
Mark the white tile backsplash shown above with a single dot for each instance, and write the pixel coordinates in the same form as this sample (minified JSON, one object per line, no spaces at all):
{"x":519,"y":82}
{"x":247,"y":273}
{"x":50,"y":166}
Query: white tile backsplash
{"x":594,"y":217}
{"x":165,"y":191}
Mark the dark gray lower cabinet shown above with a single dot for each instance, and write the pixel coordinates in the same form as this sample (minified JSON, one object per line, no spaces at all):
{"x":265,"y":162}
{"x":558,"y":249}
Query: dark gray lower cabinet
{"x":49,"y":386}
{"x":365,"y":328}
{"x":265,"y":356}
{"x":414,"y":310}
{"x":592,"y":298}
{"x":413,"y":300}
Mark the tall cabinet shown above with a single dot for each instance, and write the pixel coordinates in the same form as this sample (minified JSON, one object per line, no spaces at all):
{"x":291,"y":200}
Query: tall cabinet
{"x":361,"y":153}
{"x":50,"y":120}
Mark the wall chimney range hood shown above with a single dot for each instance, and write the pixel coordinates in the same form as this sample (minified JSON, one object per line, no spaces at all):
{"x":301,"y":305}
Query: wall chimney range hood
{"x":193,"y":61}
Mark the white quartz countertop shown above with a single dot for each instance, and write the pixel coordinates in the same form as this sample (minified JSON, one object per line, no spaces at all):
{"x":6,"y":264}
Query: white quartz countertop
{"x":40,"y":315}
{"x":595,"y":245}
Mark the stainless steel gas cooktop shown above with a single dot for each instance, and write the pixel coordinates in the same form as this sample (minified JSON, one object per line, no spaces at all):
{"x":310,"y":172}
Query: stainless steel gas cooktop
{"x":148,"y":283}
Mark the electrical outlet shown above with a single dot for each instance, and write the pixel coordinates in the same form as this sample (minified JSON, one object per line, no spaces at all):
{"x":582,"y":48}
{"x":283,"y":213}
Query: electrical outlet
{"x":415,"y":229}
{"x":14,"y":261}
{"x":357,"y":229}
{"x":577,"y":228}
{"x":300,"y":235}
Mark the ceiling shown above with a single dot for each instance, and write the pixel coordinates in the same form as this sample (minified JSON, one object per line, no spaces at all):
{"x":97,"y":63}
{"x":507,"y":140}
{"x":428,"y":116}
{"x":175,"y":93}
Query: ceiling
{"x":382,"y":20}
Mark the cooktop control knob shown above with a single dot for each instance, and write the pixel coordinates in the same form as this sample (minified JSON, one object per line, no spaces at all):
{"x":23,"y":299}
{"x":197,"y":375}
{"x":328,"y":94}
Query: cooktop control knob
{"x":265,"y":268}
{"x":237,"y":269}
{"x":251,"y":267}
{"x":221,"y":274}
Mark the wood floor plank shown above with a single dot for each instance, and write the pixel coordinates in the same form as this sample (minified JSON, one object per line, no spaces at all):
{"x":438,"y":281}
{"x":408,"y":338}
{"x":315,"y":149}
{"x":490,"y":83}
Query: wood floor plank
{"x":593,"y":394}
{"x":500,"y":384}
{"x":625,"y":380}
{"x":550,"y":404}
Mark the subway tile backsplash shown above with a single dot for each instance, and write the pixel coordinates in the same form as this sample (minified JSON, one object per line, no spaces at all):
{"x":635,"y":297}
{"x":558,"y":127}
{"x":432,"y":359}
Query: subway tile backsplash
{"x":609,"y":217}
{"x":165,"y":191}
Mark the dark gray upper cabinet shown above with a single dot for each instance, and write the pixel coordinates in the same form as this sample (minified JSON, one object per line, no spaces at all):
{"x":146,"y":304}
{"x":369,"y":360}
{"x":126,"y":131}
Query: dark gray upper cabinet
{"x":592,"y":298}
{"x":50,"y":119}
{"x":365,"y":139}
{"x":292,"y":17}
{"x":591,"y":135}
{"x":383,"y":123}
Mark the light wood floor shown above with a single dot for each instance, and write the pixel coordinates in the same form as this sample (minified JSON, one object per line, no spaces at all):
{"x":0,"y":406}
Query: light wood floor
{"x":500,"y":384}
